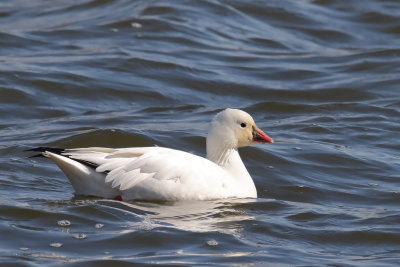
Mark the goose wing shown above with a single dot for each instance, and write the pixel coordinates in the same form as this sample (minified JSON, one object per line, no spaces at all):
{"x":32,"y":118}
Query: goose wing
{"x":155,"y":172}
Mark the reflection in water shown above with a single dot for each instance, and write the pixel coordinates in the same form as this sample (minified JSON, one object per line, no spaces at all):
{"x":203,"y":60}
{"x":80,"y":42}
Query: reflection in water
{"x":194,"y":216}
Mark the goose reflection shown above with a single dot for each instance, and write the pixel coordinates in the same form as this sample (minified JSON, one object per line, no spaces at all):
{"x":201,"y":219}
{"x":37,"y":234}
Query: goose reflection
{"x":195,"y":216}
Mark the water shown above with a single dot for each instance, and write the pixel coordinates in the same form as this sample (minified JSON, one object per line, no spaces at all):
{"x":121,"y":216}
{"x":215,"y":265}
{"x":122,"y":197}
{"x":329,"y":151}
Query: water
{"x":321,"y":77}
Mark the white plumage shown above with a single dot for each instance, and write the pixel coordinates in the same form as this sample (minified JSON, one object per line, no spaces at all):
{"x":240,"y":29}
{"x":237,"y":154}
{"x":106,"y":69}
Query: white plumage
{"x":157,"y":173}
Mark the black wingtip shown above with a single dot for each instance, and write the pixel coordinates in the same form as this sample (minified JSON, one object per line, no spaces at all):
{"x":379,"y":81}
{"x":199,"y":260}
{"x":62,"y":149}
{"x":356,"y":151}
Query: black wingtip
{"x":42,"y":149}
{"x":55,"y":150}
{"x":58,"y":151}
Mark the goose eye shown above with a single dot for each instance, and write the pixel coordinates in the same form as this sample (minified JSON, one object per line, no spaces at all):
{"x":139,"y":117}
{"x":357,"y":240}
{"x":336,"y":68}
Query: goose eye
{"x":243,"y":125}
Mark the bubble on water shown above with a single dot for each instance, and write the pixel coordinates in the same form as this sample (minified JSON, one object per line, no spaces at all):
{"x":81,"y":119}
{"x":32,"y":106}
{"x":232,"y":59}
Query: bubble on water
{"x":64,"y":223}
{"x":56,"y":245}
{"x":79,"y":236}
{"x":114,"y":30}
{"x":24,"y":249}
{"x":136,"y":25}
{"x":99,"y":225}
{"x":212,"y":242}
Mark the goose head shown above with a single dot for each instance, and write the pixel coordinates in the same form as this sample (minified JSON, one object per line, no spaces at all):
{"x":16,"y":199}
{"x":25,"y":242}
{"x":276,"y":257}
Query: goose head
{"x":234,"y":128}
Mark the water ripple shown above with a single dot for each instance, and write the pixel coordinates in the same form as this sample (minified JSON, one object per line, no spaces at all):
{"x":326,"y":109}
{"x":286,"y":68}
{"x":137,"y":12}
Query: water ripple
{"x":319,"y":76}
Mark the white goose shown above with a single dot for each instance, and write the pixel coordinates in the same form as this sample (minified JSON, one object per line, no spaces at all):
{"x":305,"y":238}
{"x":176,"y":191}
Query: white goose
{"x":157,"y":173}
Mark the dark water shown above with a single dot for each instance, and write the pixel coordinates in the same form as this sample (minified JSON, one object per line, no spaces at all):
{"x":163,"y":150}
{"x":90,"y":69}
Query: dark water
{"x":322,"y":77}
